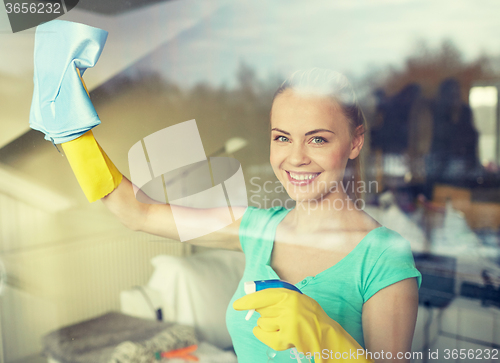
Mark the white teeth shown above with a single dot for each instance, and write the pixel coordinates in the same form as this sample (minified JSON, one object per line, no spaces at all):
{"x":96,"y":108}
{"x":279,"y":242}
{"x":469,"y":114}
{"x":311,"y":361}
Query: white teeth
{"x":302,"y":176}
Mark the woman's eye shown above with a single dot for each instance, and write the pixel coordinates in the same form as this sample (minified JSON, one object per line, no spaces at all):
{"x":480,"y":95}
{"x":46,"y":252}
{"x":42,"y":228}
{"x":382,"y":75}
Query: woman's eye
{"x":319,"y":140}
{"x":280,"y":138}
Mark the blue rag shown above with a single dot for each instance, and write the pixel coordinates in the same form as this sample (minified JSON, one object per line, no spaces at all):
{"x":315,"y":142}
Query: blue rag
{"x":61,"y":108}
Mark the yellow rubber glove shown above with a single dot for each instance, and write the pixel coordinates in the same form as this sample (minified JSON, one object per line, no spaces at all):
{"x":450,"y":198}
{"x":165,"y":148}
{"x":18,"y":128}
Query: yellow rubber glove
{"x":290,"y":319}
{"x":95,"y":172}
{"x":83,"y":82}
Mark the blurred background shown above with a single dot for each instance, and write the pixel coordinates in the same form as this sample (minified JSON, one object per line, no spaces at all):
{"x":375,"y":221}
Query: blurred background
{"x":427,"y":75}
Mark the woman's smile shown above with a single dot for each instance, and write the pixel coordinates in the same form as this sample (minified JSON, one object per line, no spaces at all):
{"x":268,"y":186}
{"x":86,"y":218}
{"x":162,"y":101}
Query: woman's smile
{"x":301,"y":178}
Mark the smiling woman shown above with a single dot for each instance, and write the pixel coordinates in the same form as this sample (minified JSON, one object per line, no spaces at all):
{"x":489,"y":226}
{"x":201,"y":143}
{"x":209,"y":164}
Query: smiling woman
{"x":322,"y":106}
{"x":358,"y":278}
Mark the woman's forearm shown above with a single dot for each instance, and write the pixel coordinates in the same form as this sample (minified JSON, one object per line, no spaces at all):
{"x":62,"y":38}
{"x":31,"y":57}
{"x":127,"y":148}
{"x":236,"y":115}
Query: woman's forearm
{"x":124,"y":205}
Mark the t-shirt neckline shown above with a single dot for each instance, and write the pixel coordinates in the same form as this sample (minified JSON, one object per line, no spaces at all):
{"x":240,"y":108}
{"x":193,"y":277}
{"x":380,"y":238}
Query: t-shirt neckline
{"x":329,"y":269}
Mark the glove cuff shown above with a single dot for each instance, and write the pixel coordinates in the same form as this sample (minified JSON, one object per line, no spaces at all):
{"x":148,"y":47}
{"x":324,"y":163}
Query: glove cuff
{"x":95,"y":172}
{"x":338,"y":340}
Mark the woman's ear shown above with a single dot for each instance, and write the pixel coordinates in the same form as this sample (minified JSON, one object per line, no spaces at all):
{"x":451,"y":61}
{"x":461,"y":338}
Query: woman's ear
{"x":357,"y":142}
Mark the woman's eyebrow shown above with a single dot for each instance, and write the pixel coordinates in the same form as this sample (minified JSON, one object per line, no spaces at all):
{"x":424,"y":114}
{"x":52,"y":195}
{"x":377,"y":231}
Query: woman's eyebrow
{"x":306,"y":134}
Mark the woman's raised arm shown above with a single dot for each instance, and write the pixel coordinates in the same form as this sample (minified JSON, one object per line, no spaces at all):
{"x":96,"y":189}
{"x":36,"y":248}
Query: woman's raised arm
{"x":100,"y":179}
{"x":63,"y":111}
{"x":158,"y":219}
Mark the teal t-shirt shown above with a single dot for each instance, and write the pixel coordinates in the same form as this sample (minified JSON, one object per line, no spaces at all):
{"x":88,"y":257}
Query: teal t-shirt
{"x":382,"y":258}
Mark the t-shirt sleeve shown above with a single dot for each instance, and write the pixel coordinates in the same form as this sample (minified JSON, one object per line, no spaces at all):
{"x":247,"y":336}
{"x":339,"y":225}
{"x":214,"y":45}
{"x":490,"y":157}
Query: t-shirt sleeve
{"x":250,"y":223}
{"x":257,"y":226}
{"x":245,"y":226}
{"x":394,"y":264}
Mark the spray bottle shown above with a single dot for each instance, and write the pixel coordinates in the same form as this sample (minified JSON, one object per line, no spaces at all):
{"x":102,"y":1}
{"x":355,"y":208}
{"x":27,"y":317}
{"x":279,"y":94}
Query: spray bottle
{"x":254,"y":286}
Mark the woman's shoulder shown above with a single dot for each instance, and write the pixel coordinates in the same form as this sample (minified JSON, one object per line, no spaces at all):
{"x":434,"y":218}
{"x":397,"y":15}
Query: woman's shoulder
{"x":259,"y":224}
{"x":257,"y":218}
{"x":389,"y":239}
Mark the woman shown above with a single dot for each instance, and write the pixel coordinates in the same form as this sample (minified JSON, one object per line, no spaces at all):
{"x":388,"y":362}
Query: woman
{"x":358,"y":271}
{"x":356,"y":276}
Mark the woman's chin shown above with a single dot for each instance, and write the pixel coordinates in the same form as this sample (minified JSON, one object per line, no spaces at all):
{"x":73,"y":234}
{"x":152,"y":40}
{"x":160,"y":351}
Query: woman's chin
{"x":308,"y":189}
{"x":304,"y":197}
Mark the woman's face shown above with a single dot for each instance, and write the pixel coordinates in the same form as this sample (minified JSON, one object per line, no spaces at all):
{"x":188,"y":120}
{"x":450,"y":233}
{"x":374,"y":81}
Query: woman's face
{"x":310,"y":145}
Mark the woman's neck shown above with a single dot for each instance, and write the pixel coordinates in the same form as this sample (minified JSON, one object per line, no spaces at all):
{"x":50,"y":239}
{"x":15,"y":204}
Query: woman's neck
{"x":337,"y":211}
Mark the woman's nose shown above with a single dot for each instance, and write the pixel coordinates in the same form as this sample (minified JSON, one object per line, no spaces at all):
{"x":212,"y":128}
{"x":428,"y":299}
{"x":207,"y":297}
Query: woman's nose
{"x":298,"y":155}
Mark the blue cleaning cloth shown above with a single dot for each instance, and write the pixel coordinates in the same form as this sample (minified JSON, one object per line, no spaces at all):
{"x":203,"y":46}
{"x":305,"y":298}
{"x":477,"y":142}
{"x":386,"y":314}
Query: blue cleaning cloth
{"x":61,"y":108}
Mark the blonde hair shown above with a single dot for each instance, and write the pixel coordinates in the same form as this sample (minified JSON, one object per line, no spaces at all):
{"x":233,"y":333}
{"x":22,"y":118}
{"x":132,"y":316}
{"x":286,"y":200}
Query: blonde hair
{"x":328,"y":83}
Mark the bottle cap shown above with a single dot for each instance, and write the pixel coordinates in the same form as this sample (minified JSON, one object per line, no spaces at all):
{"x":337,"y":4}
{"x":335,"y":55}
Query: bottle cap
{"x":249,"y":287}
